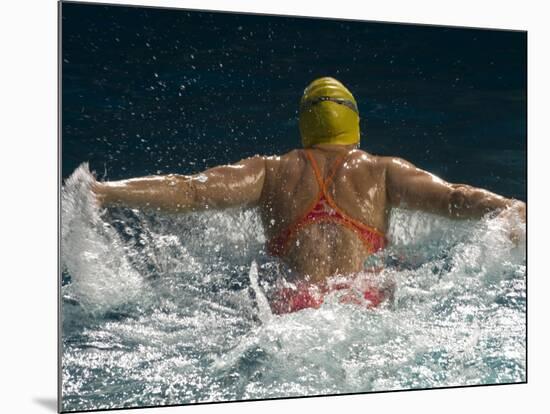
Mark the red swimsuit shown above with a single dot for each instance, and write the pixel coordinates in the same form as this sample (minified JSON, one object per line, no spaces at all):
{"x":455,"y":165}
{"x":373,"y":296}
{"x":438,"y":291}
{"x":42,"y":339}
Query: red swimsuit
{"x":322,"y":209}
{"x":304,"y":295}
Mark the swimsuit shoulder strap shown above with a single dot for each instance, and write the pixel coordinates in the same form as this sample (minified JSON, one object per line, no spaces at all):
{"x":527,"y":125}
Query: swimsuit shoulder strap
{"x":335,"y":168}
{"x":324,"y":184}
{"x":315,"y":167}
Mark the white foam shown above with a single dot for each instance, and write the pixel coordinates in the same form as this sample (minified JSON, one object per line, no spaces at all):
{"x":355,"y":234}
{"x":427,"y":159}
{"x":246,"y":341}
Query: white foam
{"x":264,"y":310}
{"x":91,"y":251}
{"x":458,"y":317}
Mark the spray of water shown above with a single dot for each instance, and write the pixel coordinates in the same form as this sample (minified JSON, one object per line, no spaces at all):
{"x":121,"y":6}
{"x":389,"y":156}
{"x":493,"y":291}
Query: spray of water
{"x":164,"y":309}
{"x":92,"y":252}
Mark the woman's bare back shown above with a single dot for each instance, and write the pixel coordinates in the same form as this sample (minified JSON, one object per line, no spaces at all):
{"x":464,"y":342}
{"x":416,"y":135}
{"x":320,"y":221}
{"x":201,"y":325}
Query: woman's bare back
{"x":322,"y":249}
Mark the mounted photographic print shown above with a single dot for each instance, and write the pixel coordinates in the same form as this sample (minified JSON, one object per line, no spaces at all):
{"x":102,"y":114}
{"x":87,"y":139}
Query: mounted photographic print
{"x":256,"y":207}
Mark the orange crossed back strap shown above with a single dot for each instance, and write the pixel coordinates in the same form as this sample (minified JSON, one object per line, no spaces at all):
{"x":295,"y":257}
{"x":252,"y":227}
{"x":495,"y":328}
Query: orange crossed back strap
{"x":324,"y":209}
{"x":324,"y":184}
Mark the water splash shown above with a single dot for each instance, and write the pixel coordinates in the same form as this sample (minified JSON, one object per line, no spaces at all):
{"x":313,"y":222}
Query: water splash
{"x":92,"y":252}
{"x":264,"y":310}
{"x":165,"y":309}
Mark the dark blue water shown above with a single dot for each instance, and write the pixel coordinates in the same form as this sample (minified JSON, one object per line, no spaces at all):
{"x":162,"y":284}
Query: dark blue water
{"x":149,"y":91}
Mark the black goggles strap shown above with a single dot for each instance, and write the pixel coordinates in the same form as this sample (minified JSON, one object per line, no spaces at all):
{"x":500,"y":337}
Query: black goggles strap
{"x":341,"y":101}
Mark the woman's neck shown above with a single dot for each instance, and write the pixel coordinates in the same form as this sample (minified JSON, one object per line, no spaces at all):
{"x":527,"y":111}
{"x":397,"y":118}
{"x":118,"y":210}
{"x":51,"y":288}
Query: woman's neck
{"x":334,"y":147}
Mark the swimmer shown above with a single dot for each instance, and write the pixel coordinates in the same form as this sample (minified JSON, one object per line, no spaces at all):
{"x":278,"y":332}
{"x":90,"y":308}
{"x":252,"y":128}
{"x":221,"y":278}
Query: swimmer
{"x":325,"y":207}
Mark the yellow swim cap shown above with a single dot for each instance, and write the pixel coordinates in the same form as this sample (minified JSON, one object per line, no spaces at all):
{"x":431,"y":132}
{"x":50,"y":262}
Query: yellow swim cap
{"x":328,"y":114}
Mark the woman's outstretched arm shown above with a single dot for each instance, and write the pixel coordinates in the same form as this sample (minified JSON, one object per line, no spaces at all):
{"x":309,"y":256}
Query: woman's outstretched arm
{"x":411,"y":187}
{"x":220,"y":187}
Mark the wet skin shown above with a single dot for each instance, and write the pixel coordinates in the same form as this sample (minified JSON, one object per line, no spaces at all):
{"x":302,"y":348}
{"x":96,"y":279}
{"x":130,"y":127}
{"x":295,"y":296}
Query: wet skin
{"x":365,"y":187}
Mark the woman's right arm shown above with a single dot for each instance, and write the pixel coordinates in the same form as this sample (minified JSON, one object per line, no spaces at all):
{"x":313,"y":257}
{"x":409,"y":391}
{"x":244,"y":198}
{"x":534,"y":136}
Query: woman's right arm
{"x":220,"y":187}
